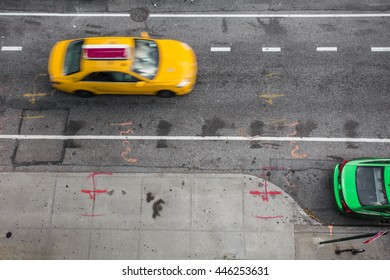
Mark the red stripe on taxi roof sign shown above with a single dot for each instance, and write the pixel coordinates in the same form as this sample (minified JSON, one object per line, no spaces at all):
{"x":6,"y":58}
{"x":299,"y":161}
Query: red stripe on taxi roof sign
{"x":114,"y":51}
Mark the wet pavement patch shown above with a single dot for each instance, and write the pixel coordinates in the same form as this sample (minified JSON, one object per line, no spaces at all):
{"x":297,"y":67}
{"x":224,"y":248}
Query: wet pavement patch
{"x":256,"y":128}
{"x":163,"y":129}
{"x":73,"y":127}
{"x":350,"y":129}
{"x":304,"y":129}
{"x":211,"y":127}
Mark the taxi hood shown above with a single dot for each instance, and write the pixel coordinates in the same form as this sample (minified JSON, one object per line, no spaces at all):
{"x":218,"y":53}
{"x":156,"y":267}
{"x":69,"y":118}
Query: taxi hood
{"x":177,"y":61}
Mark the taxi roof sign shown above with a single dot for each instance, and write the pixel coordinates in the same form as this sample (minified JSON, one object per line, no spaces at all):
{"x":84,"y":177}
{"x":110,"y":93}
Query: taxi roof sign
{"x":109,"y":51}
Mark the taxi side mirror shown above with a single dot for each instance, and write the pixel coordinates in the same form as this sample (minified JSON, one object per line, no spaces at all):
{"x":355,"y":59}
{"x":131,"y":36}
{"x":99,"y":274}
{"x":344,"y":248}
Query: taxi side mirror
{"x":145,"y":34}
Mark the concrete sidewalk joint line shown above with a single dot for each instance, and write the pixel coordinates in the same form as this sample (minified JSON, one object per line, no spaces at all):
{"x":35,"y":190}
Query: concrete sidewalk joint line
{"x":192,"y":138}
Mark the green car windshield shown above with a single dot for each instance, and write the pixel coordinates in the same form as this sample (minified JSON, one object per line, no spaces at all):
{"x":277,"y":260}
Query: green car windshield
{"x":370,"y":186}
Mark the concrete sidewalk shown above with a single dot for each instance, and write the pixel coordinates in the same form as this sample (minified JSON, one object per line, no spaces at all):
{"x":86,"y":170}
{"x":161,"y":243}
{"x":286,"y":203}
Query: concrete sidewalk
{"x":163,"y":216}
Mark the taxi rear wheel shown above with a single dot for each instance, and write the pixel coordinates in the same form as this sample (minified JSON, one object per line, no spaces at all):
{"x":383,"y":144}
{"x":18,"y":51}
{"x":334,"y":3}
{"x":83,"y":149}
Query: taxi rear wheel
{"x":166,"y":93}
{"x":84,"y":93}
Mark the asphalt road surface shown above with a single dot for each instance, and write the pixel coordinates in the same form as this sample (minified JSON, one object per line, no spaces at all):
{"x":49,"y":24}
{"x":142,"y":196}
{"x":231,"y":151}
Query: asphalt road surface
{"x":265,"y":70}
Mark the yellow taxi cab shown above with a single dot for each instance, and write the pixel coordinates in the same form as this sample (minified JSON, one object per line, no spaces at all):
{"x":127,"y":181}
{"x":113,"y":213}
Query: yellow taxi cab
{"x":123,"y":65}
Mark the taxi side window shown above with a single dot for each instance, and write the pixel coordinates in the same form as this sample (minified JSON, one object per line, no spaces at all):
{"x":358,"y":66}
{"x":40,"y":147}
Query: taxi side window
{"x":122,"y":77}
{"x":109,"y":77}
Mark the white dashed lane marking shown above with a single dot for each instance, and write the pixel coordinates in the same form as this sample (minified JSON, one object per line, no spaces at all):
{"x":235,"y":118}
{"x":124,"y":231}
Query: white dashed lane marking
{"x":326,"y":49}
{"x":11,"y":48}
{"x":265,"y":49}
{"x":220,"y":49}
{"x":380,"y":49}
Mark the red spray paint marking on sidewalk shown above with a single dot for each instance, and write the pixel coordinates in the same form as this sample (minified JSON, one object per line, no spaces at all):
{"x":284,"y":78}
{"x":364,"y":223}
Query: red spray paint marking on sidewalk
{"x":92,"y":193}
{"x":264,"y":195}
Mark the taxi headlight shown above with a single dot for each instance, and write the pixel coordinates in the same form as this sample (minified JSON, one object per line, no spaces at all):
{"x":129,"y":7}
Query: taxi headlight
{"x":183,"y":83}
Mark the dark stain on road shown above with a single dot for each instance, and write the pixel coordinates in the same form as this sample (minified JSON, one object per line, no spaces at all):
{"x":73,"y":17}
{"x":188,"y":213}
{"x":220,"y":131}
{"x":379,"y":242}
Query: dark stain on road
{"x":350,"y":129}
{"x":73,"y":127}
{"x":8,"y":235}
{"x":224,"y":25}
{"x":256,"y":128}
{"x":163,"y":129}
{"x":211,"y":127}
{"x":72,"y":144}
{"x":304,"y":129}
{"x":157,"y":208}
{"x":255,"y":145}
{"x":272,"y":26}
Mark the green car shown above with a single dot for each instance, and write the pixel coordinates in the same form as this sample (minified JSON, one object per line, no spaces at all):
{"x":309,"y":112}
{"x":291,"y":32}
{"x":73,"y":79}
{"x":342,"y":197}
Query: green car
{"x":362,"y":187}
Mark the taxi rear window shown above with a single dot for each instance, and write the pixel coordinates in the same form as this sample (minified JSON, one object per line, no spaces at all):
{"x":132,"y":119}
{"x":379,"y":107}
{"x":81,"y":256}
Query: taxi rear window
{"x":73,"y":57}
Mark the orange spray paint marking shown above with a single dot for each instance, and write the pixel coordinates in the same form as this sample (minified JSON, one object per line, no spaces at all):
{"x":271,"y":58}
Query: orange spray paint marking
{"x":295,"y":155}
{"x":129,"y":131}
{"x":330,"y":230}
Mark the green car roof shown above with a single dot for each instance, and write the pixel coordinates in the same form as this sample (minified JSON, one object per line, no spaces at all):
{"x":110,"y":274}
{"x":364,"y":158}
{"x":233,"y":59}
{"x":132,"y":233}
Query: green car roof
{"x":364,"y":185}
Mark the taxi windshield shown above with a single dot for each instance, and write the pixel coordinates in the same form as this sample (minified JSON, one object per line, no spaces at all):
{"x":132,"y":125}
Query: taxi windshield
{"x":145,"y":58}
{"x":73,"y":57}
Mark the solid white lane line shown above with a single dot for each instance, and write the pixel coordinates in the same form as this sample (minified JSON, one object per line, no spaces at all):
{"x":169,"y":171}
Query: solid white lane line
{"x":380,"y":49}
{"x":19,"y":14}
{"x":191,"y":138}
{"x":271,"y":49}
{"x":220,"y":49}
{"x":267,"y":15}
{"x":23,"y":14}
{"x":11,"y":48}
{"x":326,"y":49}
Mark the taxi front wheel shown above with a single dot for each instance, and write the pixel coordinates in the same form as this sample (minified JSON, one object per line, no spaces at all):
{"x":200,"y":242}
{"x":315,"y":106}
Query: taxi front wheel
{"x":84,"y":93}
{"x":166,"y":93}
